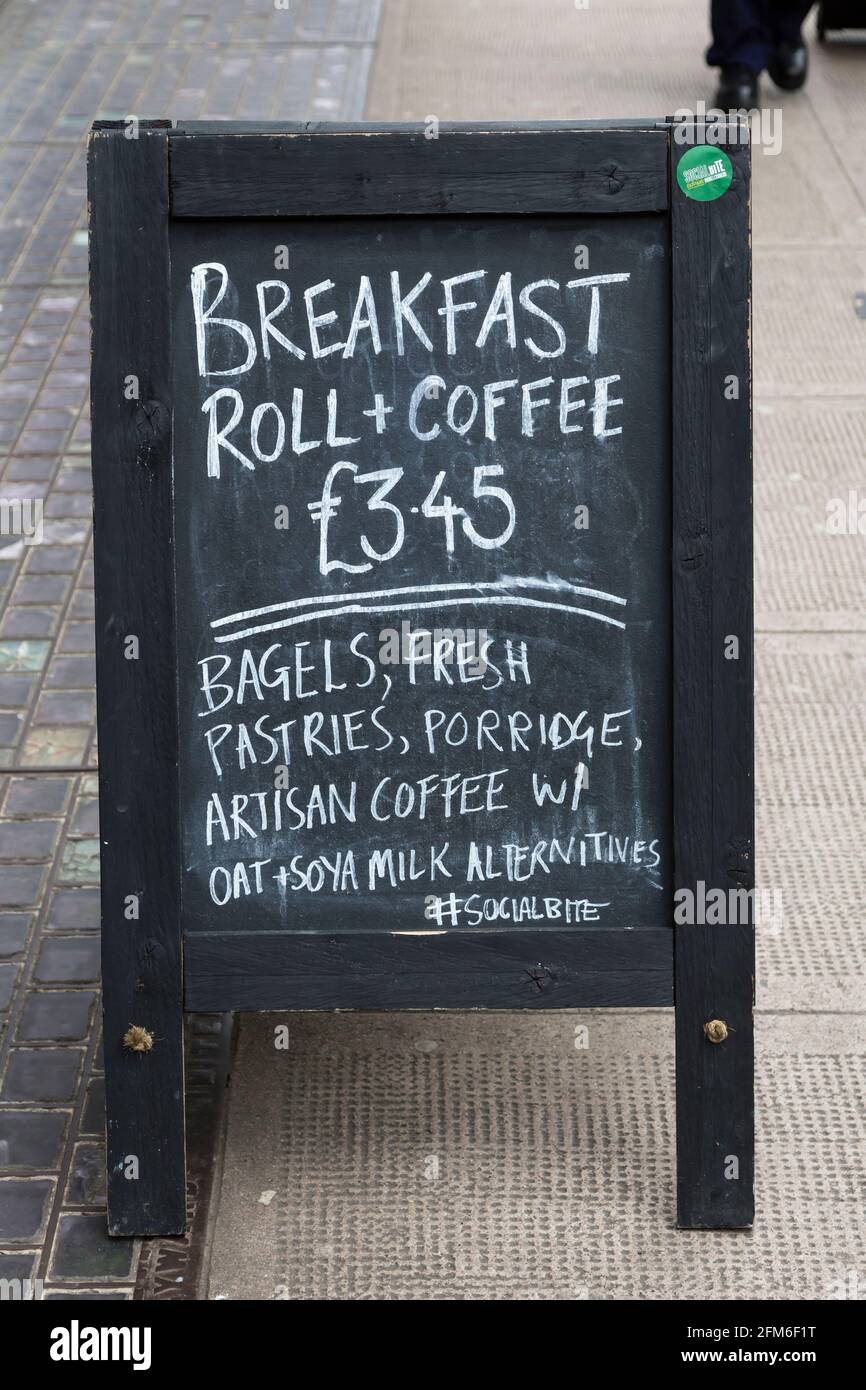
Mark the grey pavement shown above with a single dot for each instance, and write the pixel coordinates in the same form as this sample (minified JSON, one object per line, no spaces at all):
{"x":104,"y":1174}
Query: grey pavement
{"x":63,"y":65}
{"x":446,"y":1156}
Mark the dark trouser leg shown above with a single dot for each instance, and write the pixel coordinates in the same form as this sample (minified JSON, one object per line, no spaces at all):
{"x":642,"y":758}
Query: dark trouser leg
{"x":741,"y":34}
{"x":786,"y":19}
{"x":789,"y":62}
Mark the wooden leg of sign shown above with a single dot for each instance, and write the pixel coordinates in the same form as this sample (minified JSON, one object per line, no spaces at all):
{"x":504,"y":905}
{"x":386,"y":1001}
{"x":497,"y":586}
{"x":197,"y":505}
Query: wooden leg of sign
{"x":141,"y":945}
{"x":714,"y":1041}
{"x":713,"y":712}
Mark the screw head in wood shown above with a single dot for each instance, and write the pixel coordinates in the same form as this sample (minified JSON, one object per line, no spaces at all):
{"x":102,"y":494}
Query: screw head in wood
{"x":715,"y":1031}
{"x":137,"y":1039}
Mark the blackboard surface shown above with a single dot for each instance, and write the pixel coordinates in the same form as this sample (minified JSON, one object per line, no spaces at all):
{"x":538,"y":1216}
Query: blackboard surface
{"x":470,"y":727}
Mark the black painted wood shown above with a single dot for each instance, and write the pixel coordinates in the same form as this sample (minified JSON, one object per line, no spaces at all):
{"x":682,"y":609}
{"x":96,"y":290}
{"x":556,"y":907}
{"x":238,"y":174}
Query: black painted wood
{"x":373,"y":170}
{"x":141,"y":957}
{"x":713,"y":717}
{"x":308,"y":171}
{"x":582,"y":968}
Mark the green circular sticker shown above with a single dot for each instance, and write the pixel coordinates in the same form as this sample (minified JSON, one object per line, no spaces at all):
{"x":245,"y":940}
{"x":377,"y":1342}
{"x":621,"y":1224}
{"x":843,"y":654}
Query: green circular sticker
{"x":704,"y":173}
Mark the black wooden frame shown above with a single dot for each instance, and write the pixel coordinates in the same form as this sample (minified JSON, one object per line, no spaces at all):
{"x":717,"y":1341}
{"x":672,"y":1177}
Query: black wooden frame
{"x":144,"y":174}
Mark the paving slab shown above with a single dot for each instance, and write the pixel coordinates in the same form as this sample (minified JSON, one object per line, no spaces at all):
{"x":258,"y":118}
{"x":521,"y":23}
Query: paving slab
{"x":838,"y":97}
{"x":809,"y":338}
{"x":810,"y":785}
{"x":809,"y":548}
{"x":445,"y":1156}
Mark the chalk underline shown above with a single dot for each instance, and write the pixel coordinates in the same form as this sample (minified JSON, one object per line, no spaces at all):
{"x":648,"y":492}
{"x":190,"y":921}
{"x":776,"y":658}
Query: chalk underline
{"x":508,"y":601}
{"x":468,"y":588}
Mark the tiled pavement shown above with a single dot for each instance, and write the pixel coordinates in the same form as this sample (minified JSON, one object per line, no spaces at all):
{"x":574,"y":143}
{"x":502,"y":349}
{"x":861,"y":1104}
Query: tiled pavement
{"x":62,"y":65}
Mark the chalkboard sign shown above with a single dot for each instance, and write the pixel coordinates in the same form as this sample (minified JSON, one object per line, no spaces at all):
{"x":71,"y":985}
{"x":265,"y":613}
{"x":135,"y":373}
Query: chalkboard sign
{"x":422,"y":532}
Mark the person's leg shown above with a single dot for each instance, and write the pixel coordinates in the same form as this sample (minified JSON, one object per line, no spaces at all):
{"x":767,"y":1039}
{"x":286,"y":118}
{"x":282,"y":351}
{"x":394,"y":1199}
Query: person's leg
{"x":788,"y":63}
{"x":742,"y":44}
{"x":741,"y":35}
{"x":786,"y":20}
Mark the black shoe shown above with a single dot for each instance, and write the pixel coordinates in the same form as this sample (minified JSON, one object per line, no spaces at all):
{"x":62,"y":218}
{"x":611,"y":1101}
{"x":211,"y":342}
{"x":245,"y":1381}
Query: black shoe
{"x":789,"y":66}
{"x":738,"y":89}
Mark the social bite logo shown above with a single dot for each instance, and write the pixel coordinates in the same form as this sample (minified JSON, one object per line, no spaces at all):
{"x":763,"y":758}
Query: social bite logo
{"x":704,"y":173}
